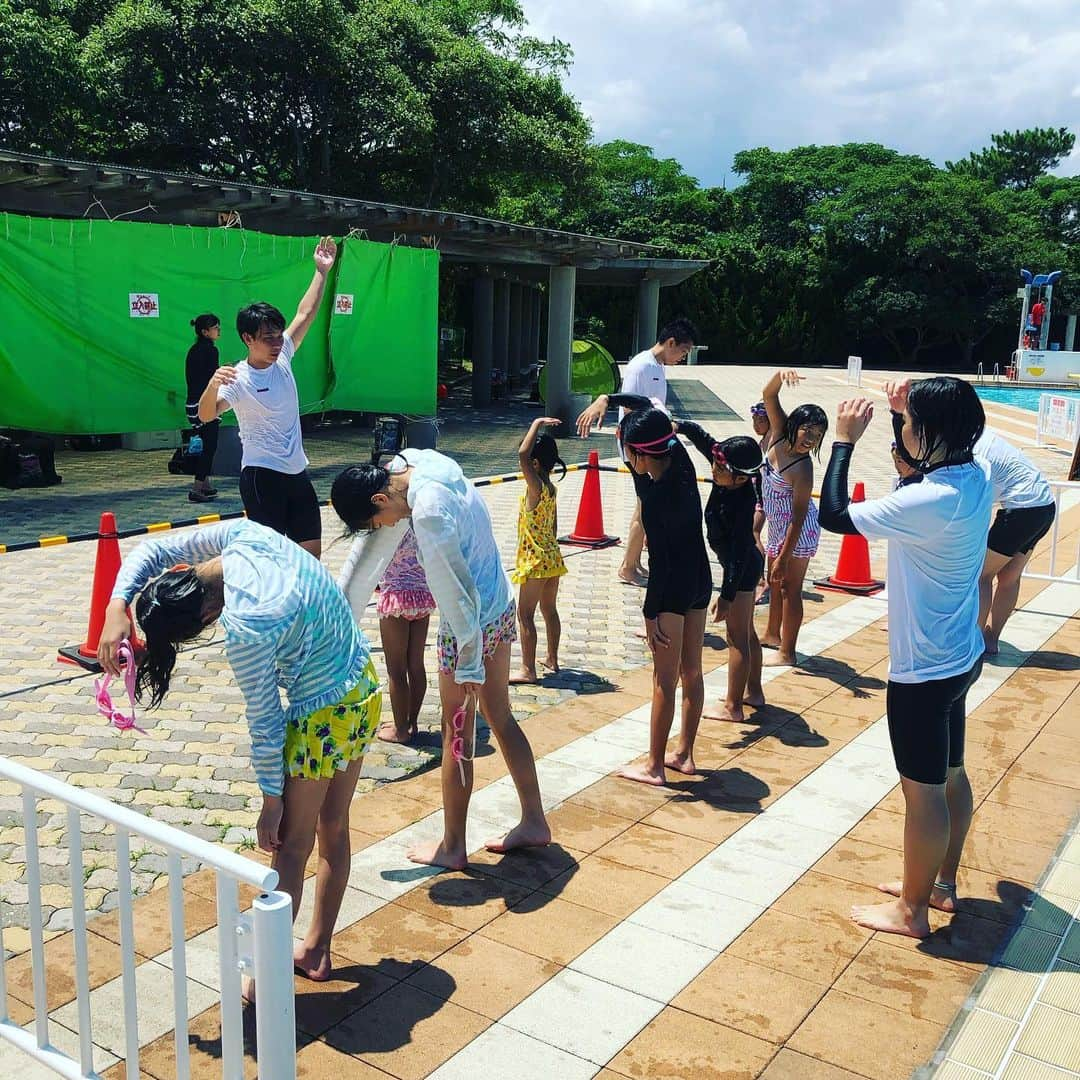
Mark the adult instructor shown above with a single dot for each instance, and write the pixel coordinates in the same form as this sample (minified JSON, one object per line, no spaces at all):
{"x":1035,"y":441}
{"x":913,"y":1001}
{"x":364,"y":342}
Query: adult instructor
{"x":261,"y":390}
{"x":644,"y":376}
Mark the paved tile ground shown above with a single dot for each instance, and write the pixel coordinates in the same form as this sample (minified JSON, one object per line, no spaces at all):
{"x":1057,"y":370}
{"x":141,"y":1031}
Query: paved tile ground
{"x":696,"y":931}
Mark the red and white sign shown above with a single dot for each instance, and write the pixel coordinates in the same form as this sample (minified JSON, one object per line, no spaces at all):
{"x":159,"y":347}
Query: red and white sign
{"x":343,"y":304}
{"x":143,"y":305}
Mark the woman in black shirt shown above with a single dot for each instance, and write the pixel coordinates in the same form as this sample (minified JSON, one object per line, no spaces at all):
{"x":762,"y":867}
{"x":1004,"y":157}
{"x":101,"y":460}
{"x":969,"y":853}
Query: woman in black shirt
{"x":729,"y":526}
{"x":202,"y":362}
{"x":680,"y":584}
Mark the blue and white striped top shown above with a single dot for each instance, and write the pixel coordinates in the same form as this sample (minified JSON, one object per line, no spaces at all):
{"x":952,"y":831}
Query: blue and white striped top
{"x":286,"y":623}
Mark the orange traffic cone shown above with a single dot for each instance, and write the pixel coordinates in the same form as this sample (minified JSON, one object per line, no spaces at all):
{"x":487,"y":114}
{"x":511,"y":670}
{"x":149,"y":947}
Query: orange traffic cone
{"x":106,"y":567}
{"x":589,"y":527}
{"x":853,"y":567}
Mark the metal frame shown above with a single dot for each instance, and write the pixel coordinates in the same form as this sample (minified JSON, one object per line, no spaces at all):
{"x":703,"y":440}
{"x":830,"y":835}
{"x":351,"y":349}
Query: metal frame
{"x":1060,"y":488}
{"x":262,"y":943}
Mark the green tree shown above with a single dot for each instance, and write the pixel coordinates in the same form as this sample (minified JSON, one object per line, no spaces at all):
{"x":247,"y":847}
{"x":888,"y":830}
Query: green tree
{"x":1016,"y":159}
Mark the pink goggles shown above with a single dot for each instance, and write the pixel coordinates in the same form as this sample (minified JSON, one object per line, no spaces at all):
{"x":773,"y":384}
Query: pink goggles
{"x":120,"y":720}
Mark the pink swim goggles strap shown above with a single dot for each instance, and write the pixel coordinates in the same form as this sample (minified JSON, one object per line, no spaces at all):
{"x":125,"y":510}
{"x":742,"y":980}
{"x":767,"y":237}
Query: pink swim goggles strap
{"x":120,"y":720}
{"x":457,"y":743}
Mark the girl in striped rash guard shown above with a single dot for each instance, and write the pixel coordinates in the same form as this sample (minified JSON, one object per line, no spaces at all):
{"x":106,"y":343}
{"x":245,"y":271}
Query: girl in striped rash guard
{"x":286,"y":624}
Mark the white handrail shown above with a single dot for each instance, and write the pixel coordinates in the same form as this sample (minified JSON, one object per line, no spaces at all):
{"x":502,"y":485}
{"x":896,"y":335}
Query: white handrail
{"x":1060,"y":488}
{"x":260,"y":944}
{"x":236,"y":866}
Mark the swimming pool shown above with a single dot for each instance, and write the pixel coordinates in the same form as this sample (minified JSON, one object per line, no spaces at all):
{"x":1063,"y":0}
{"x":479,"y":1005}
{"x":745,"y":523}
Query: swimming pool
{"x":1020,"y":397}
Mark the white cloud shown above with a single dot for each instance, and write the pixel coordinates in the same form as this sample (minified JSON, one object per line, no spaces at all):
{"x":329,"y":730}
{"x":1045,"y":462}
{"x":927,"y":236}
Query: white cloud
{"x":699,"y":80}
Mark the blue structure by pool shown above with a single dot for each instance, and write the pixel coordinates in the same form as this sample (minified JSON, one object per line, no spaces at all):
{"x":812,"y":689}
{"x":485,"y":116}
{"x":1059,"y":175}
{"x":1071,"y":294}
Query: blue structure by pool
{"x":1020,"y":397}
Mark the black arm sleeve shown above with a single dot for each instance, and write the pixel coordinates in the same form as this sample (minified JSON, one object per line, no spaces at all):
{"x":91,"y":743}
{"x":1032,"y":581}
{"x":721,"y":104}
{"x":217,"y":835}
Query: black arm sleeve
{"x":740,"y":544}
{"x":632,"y":402}
{"x":833,"y":513}
{"x":702,"y":440}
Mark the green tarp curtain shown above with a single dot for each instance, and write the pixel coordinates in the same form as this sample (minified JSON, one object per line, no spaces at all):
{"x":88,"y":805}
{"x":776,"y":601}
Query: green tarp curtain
{"x":94,"y":320}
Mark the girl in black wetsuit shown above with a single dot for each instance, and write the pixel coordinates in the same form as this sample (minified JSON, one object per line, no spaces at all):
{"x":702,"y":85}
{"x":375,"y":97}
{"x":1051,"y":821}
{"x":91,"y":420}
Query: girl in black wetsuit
{"x":680,"y":584}
{"x":729,"y":526}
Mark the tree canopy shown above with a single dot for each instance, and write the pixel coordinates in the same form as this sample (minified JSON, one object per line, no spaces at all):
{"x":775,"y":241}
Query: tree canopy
{"x":818,"y":251}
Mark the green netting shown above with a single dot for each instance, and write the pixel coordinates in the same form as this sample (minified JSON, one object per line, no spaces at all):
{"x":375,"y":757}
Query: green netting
{"x":74,"y":360}
{"x":592,"y":371}
{"x":386,"y":352}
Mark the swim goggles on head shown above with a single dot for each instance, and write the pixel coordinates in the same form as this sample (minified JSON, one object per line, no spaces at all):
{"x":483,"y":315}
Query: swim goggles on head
{"x":654,"y":446}
{"x":759,"y":409}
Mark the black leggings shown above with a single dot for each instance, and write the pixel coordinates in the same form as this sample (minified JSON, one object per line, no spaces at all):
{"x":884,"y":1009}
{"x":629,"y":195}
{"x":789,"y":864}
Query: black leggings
{"x":209,"y":433}
{"x":926,"y":725}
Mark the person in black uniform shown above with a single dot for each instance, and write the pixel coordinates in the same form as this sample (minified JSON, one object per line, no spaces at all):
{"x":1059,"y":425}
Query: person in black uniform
{"x":680,"y":583}
{"x":202,"y":362}
{"x":729,"y":526}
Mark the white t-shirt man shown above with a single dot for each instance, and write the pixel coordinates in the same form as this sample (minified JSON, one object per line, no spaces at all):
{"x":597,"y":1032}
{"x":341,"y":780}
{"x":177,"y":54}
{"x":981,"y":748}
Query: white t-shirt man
{"x":937,"y":542}
{"x":267,"y":408}
{"x":645,"y":376}
{"x":1017,"y":484}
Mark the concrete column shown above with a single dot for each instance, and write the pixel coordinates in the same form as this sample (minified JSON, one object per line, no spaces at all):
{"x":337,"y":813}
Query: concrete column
{"x":648,"y":313}
{"x":560,"y":339}
{"x":1070,"y":334}
{"x":515,"y":350}
{"x":538,"y":309}
{"x":525,"y":351}
{"x":501,"y":332}
{"x":483,"y":318}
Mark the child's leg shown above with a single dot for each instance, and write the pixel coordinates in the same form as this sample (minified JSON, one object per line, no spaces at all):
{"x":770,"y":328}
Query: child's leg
{"x":532,"y":830}
{"x":395,"y":642}
{"x":450,"y":851}
{"x":740,"y":625}
{"x":755,"y":695}
{"x":528,"y":597}
{"x":418,"y":632}
{"x":313,"y":956}
{"x":549,"y":595}
{"x":666,"y":663}
{"x":693,"y":692}
{"x":771,"y":638}
{"x":793,"y":610}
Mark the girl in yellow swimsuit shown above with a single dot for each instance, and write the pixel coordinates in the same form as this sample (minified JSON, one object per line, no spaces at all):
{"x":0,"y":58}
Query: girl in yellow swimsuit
{"x":539,"y":561}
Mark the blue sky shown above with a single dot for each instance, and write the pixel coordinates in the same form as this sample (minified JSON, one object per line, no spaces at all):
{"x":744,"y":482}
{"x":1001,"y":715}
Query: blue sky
{"x":699,"y":80}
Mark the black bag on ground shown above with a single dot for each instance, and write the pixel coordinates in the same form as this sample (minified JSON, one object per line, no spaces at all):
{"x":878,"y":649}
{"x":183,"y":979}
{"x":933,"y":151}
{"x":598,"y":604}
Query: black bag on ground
{"x":27,"y":462}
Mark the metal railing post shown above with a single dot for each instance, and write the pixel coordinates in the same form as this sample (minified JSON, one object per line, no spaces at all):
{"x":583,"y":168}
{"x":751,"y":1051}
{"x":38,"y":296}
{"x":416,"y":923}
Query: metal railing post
{"x":275,"y":1012}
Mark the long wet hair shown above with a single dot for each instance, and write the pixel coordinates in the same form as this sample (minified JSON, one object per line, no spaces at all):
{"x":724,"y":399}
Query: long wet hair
{"x":806,"y":416}
{"x":169,"y":611}
{"x":948,"y":417}
{"x":647,"y":432}
{"x":545,"y":451}
{"x":351,"y":493}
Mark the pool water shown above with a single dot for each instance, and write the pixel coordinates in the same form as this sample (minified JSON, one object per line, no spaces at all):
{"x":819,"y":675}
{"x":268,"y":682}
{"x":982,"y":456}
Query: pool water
{"x":1020,"y":397}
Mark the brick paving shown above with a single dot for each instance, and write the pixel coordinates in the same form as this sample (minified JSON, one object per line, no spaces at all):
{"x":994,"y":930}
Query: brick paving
{"x":452,"y":967}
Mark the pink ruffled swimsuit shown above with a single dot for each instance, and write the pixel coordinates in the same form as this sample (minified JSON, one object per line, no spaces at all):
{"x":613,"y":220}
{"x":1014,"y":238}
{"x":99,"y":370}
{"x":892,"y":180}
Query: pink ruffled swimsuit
{"x":403,"y":591}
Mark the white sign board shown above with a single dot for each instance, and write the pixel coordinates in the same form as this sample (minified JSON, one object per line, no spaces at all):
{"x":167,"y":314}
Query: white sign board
{"x":343,"y":304}
{"x":1059,"y":417}
{"x":144,"y":305}
{"x":854,"y":370}
{"x":1046,"y":365}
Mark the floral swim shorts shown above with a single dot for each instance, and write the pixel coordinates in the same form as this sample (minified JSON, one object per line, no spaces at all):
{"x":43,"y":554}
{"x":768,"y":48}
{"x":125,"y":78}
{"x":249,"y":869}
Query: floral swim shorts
{"x":504,"y":628}
{"x":327,"y":740}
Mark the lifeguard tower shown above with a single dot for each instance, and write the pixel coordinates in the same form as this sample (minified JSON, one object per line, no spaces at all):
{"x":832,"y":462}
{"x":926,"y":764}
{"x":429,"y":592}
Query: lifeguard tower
{"x":1037,"y":359}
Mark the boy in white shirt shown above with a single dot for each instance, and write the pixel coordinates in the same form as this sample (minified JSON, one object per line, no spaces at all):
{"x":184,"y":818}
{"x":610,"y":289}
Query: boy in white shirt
{"x":261,"y":390}
{"x":646,"y":377}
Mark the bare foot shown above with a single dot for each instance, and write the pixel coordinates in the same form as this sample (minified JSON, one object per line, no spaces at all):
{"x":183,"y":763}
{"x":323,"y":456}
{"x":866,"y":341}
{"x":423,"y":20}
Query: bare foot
{"x":388,"y":732}
{"x":312,"y":962}
{"x":247,"y":990}
{"x":642,"y":775}
{"x":438,"y":855}
{"x":724,"y":711}
{"x":941,"y":899}
{"x":524,"y":678}
{"x":756,"y":700}
{"x":683,"y":763}
{"x":550,"y":665}
{"x":895,"y":917}
{"x":779,"y":659}
{"x":770,"y":642}
{"x":525,"y":834}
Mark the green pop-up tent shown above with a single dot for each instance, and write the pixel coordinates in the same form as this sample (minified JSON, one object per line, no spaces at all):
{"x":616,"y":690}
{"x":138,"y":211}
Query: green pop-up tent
{"x":96,"y":315}
{"x":592,"y":372}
